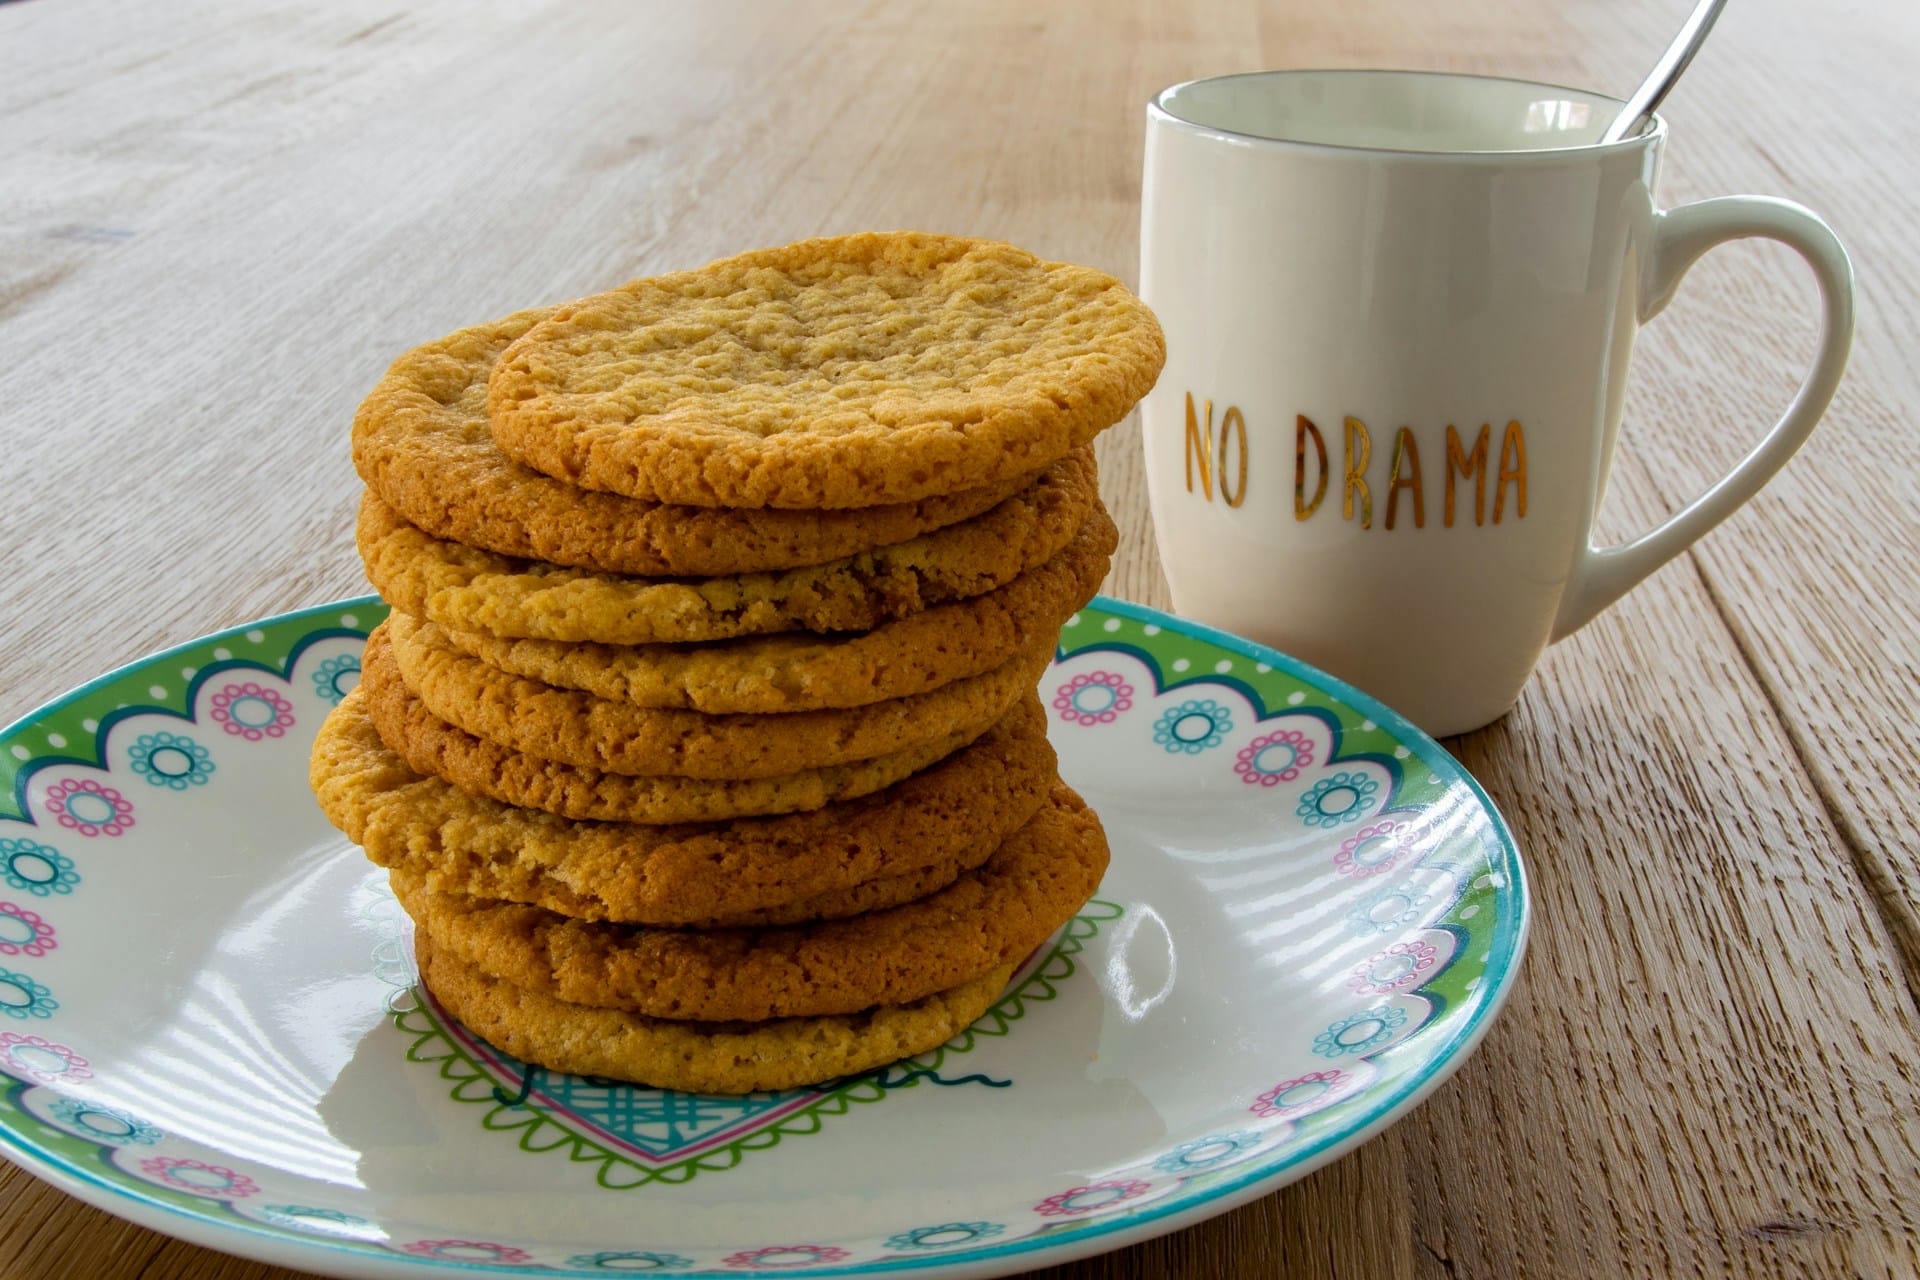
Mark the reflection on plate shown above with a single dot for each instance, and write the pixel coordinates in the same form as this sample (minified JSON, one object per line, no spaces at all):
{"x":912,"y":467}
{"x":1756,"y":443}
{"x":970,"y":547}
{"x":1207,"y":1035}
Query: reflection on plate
{"x":208,"y":1022}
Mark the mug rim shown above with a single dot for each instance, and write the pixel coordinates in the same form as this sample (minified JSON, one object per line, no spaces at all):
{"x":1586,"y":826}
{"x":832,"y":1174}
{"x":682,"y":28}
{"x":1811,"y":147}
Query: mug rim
{"x":1159,"y":112}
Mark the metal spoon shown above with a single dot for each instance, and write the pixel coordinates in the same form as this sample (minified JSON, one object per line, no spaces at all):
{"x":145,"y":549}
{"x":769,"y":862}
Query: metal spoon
{"x":1674,"y":61}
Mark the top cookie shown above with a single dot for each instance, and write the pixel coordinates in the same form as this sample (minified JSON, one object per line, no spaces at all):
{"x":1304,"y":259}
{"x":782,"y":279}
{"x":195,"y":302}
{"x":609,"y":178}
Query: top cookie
{"x":843,"y":372}
{"x":421,"y":441}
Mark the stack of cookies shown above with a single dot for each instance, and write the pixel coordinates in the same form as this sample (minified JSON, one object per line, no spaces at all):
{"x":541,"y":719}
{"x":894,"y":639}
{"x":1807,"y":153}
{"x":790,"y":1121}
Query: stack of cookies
{"x":702,"y":744}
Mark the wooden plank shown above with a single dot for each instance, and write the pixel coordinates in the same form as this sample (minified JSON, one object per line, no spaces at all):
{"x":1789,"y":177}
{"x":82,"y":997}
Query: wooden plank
{"x":218,"y":230}
{"x":1716,"y":1109}
{"x":1817,"y":579}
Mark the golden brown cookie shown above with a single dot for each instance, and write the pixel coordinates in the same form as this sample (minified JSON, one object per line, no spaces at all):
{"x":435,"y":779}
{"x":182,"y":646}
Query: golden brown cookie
{"x":771,"y":674}
{"x":698,"y":1057}
{"x":431,"y":745}
{"x":839,"y":372}
{"x":601,"y":733}
{"x":421,"y":441}
{"x":468,"y":589}
{"x":987,"y":918}
{"x":874,"y":895}
{"x":861,"y":855}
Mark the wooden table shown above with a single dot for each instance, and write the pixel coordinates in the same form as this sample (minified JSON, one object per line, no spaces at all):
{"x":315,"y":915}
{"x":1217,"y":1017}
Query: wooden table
{"x":220,"y":221}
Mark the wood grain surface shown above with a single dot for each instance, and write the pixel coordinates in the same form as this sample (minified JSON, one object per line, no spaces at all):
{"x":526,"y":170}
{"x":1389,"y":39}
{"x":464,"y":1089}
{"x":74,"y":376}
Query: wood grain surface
{"x":220,"y":221}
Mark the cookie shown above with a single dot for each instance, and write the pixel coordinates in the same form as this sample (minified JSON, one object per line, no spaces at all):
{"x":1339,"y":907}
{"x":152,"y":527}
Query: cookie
{"x":468,"y":589}
{"x":698,"y":1057}
{"x":874,"y":895}
{"x":602,"y":733}
{"x":421,"y":441}
{"x":856,"y":856}
{"x":986,"y":918}
{"x":431,"y":745}
{"x":784,"y":673}
{"x":840,"y":372}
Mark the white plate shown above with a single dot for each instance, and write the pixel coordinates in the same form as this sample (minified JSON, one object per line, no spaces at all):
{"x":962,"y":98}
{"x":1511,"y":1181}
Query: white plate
{"x":208,"y":1023}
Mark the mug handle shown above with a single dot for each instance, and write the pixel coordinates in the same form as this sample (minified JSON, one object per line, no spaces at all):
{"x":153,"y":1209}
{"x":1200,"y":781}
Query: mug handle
{"x":1680,"y":237}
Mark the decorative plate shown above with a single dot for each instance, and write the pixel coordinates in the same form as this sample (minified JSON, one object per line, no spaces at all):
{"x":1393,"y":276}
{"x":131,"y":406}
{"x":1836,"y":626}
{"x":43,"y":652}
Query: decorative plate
{"x":209,"y":1024}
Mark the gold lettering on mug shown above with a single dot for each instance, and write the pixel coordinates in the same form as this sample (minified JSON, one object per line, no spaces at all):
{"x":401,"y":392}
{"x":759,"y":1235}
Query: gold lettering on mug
{"x":1407,"y":477}
{"x":1513,"y":466}
{"x":1203,"y":441}
{"x":1303,"y":430}
{"x":1467,"y":464}
{"x":1359,"y":452}
{"x":1236,"y":422}
{"x":1227,"y":458}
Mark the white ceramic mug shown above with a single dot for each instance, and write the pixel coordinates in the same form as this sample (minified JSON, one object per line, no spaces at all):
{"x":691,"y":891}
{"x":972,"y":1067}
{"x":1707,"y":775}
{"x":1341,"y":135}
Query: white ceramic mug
{"x":1399,"y":309}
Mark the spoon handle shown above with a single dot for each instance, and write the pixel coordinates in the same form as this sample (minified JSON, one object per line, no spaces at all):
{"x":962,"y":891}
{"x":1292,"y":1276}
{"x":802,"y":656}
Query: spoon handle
{"x":1674,"y":61}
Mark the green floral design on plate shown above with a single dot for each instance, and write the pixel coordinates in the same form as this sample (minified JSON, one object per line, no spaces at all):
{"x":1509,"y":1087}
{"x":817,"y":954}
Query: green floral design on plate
{"x":539,"y":1133}
{"x":167,"y":682}
{"x":1423,"y":776}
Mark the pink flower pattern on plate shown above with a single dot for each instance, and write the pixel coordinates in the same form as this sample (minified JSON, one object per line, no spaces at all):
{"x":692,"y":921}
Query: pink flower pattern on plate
{"x":35,"y":1057}
{"x":1403,"y":965}
{"x":88,"y":807}
{"x":1275,"y":758}
{"x":200,"y":1178}
{"x":483,"y":1253}
{"x":39,"y":939}
{"x":252,"y":711}
{"x":1096,"y":1195}
{"x":1304,"y":1094}
{"x":1374,"y":849}
{"x":1098,"y":698}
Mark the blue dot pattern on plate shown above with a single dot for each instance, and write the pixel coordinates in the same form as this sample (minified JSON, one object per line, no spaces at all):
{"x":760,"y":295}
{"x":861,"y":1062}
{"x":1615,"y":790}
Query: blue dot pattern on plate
{"x":1340,"y":798}
{"x":170,"y":760}
{"x":39,"y":869}
{"x":1205,"y":1153}
{"x":1387,"y":911}
{"x":1360,"y":1033}
{"x":947,"y":1235}
{"x":1193,"y":727}
{"x":105,"y":1124}
{"x":335,"y":678}
{"x":629,"y":1263}
{"x":21,"y":997}
{"x":303,"y":1217}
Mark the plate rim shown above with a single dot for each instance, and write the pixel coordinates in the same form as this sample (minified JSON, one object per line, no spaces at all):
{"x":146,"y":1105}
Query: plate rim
{"x":1514,"y":925}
